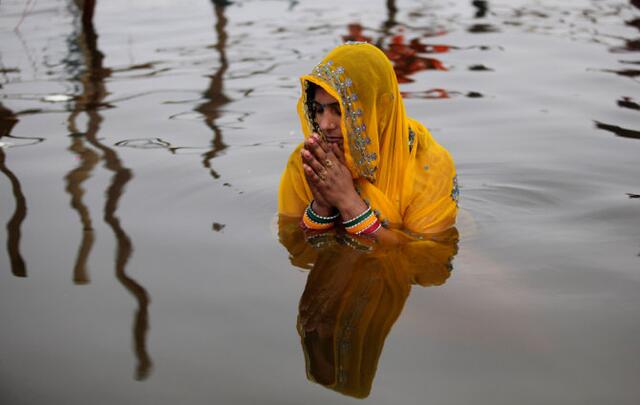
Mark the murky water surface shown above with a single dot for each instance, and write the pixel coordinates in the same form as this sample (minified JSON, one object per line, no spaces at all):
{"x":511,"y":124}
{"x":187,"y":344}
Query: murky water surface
{"x":140,"y":158}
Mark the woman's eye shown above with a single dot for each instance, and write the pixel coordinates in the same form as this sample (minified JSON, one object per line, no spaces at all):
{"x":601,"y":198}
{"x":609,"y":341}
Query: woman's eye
{"x":321,"y":108}
{"x":336,"y":109}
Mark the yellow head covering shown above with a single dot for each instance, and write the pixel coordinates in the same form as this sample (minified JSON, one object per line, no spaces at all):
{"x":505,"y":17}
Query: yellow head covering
{"x":398,"y":168}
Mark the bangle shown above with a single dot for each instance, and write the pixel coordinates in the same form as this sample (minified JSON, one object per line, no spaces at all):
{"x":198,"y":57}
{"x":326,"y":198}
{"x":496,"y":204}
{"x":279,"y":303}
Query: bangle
{"x":319,"y":218}
{"x":372,"y":229}
{"x":316,"y":222}
{"x":311,"y":224}
{"x":358,"y":219}
{"x":360,"y":227}
{"x":364,"y":224}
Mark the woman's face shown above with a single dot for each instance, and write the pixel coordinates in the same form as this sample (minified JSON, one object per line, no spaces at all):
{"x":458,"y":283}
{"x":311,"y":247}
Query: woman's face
{"x":327,"y":115}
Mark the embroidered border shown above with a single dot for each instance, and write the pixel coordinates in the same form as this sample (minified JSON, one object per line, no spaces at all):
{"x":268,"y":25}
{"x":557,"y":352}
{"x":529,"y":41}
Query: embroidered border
{"x":335,"y":77}
{"x":455,"y":190}
{"x":412,"y":138}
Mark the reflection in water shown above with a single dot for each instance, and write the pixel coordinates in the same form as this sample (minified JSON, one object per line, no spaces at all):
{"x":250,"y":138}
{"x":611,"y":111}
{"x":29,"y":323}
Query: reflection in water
{"x":7,"y":121}
{"x":392,"y":10}
{"x":619,"y":131}
{"x":214,"y":94}
{"x":88,"y":159}
{"x":482,"y":29}
{"x":83,"y":42}
{"x":90,"y":101}
{"x":482,"y":9}
{"x":353,"y":296}
{"x":407,"y":58}
{"x":630,"y":45}
{"x":480,"y":68}
{"x":632,"y":73}
{"x":433,"y":94}
{"x":355,"y":34}
{"x":627,"y":102}
{"x":481,"y":6}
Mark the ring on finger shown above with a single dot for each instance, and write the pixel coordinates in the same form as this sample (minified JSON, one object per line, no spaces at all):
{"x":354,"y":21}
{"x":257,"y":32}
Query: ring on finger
{"x":322,"y":174}
{"x":328,"y":163}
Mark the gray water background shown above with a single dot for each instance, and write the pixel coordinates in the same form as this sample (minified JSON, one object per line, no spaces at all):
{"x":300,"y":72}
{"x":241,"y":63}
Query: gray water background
{"x":183,"y":293}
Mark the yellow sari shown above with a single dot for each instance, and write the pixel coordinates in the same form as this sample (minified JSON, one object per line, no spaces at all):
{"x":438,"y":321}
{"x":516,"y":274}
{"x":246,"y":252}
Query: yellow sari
{"x":407,"y":178}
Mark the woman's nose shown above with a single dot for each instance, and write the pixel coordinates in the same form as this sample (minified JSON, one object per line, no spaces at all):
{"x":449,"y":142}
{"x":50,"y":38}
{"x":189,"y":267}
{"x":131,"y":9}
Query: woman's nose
{"x":327,"y":121}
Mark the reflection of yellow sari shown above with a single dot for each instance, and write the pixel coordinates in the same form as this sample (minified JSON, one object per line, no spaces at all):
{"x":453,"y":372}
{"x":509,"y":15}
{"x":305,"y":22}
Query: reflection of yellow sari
{"x":353,"y":298}
{"x":398,"y":168}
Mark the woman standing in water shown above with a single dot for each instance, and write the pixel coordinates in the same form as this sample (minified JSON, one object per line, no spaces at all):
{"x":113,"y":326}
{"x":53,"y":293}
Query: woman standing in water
{"x":364,"y":163}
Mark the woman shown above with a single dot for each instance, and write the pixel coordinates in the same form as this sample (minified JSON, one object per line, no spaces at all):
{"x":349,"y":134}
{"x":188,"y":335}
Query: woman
{"x":364,"y":162}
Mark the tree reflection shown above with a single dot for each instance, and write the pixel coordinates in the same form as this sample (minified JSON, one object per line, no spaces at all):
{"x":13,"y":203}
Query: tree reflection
{"x":88,"y":159}
{"x":619,"y":131}
{"x":353,"y":296}
{"x":90,"y":101}
{"x":214,"y":95}
{"x":630,"y":44}
{"x":7,"y":121}
{"x":482,"y":8}
{"x":89,"y":73}
{"x":392,"y":10}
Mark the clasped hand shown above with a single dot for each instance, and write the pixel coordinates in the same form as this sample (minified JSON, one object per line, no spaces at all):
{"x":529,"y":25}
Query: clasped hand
{"x":327,"y":175}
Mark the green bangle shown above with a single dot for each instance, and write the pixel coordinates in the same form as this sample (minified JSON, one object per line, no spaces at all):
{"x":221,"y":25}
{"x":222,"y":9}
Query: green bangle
{"x":319,"y":218}
{"x":358,"y":219}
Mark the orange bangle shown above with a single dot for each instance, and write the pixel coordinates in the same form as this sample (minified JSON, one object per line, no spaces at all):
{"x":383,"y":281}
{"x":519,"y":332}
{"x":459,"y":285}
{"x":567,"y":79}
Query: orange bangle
{"x":310,"y":224}
{"x":366,"y":223}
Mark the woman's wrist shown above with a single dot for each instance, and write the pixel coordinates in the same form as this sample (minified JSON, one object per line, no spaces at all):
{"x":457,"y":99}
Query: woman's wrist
{"x":351,"y":207}
{"x":322,"y":209}
{"x":358,"y":217}
{"x":315,"y":221}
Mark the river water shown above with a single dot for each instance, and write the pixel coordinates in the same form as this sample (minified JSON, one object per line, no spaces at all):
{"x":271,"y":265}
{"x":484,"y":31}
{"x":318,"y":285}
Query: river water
{"x":140,"y":157}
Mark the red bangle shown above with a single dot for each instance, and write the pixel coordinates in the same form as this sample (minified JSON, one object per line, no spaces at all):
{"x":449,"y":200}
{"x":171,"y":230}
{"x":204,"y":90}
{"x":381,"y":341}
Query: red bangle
{"x":373,"y":228}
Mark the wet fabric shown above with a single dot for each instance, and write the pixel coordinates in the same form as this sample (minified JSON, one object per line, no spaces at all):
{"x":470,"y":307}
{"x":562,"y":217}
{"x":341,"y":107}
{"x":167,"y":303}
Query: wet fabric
{"x":398,"y":168}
